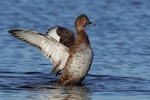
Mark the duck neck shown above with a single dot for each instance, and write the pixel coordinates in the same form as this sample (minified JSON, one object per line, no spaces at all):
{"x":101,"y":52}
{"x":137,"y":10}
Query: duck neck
{"x":82,"y":37}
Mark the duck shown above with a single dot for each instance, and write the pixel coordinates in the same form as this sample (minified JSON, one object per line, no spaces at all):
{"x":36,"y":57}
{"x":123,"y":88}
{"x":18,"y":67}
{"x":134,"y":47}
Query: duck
{"x":68,"y":53}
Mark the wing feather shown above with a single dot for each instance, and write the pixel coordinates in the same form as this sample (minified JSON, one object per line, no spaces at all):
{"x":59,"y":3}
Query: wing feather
{"x":51,"y":48}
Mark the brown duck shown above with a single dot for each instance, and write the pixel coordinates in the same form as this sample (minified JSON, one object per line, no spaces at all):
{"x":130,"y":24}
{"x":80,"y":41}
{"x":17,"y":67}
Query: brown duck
{"x":66,"y":52}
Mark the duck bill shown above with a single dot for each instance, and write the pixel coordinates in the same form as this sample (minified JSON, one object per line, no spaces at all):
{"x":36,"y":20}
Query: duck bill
{"x":90,"y":23}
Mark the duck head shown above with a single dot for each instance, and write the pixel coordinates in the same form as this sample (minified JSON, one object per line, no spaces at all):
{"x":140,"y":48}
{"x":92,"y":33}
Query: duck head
{"x":82,"y":21}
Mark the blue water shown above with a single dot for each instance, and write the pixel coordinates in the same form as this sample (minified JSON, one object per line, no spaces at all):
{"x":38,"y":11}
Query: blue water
{"x":120,"y":41}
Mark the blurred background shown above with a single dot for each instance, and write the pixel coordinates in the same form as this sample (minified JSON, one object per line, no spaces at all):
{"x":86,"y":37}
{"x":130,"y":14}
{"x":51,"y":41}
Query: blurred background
{"x":120,"y":41}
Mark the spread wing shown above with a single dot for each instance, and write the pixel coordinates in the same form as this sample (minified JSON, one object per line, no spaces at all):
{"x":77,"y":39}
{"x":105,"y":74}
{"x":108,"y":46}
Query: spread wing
{"x":63,"y":35}
{"x":51,"y":48}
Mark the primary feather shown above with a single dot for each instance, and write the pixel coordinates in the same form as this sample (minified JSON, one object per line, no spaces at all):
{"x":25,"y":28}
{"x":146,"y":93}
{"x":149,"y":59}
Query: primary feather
{"x":56,"y":52}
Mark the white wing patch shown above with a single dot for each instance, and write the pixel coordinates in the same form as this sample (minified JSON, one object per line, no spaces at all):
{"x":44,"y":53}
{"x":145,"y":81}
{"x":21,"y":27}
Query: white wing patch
{"x":53,"y":33}
{"x":51,"y":48}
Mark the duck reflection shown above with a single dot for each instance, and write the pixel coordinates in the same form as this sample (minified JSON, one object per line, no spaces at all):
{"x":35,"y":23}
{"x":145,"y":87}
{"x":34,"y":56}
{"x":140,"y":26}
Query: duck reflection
{"x":63,"y":93}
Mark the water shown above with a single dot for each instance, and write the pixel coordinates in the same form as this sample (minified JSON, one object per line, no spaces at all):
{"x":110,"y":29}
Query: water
{"x":120,"y":42}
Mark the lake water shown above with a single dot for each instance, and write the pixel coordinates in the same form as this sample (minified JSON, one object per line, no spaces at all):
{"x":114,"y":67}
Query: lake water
{"x":120,"y":41}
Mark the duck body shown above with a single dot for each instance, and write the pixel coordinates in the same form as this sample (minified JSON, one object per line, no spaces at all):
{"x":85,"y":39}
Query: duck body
{"x":71,"y":54}
{"x":77,"y":65}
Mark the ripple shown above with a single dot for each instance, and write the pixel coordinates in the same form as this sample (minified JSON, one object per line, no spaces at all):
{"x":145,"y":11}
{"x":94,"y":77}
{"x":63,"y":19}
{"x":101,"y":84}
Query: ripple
{"x":107,"y":83}
{"x":32,"y":73}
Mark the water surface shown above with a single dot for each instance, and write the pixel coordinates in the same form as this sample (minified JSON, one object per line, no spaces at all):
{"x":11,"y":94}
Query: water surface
{"x":120,"y":42}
